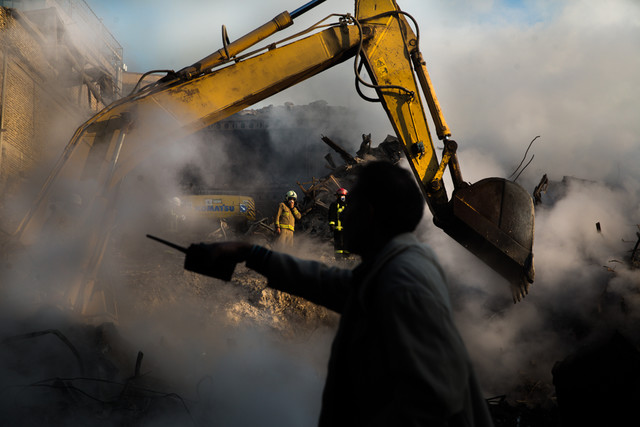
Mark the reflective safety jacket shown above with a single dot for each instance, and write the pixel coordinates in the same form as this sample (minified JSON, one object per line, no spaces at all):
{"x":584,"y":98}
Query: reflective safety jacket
{"x":286,"y":218}
{"x":336,"y":210}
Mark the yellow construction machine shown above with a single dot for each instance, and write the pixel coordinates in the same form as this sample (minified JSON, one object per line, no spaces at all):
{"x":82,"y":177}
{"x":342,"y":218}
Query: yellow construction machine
{"x":492,"y":218}
{"x":202,"y":212}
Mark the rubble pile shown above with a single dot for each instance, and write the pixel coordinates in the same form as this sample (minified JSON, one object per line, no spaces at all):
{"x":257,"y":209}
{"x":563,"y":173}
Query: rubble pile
{"x":319,"y":193}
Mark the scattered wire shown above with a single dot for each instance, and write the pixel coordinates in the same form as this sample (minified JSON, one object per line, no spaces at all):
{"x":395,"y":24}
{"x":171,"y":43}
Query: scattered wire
{"x":359,"y":89}
{"x":523,"y":159}
{"x":67,"y":384}
{"x":55,"y":332}
{"x":525,"y":166}
{"x":135,"y":88}
{"x":356,"y":65}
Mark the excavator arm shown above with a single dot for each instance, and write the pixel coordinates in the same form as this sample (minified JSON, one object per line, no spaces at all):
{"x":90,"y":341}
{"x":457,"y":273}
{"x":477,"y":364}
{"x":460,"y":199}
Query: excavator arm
{"x":493,"y":218}
{"x":110,"y":144}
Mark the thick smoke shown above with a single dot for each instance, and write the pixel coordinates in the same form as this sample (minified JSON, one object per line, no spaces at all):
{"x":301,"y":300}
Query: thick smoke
{"x":561,"y":70}
{"x":201,"y":340}
{"x":584,"y":287}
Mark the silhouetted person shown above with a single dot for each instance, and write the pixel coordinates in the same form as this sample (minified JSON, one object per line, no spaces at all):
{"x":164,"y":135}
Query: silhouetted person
{"x":397,"y":358}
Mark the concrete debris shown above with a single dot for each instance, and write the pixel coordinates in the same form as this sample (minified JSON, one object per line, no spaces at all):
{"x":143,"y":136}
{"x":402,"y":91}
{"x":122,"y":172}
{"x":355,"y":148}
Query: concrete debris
{"x":330,"y":162}
{"x":540,"y":189}
{"x":365,"y":145}
{"x":319,"y":193}
{"x":348,"y":158}
{"x":555,"y":190}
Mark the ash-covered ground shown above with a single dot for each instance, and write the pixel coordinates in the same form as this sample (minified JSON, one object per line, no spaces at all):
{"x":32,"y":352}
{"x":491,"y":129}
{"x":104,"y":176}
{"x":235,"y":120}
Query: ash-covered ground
{"x":185,"y":350}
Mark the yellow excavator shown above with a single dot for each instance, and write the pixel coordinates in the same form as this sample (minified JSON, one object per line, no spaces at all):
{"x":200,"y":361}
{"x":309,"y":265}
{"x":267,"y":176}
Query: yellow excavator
{"x":492,"y":218}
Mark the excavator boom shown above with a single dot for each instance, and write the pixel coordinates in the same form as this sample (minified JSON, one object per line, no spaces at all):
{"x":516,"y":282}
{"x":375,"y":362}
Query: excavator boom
{"x":492,"y":219}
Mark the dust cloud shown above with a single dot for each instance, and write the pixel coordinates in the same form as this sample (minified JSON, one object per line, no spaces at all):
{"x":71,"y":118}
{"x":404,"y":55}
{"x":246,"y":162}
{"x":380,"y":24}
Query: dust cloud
{"x":202,"y":342}
{"x":502,"y":80}
{"x":205,"y":338}
{"x":567,"y":76}
{"x":585,"y":287}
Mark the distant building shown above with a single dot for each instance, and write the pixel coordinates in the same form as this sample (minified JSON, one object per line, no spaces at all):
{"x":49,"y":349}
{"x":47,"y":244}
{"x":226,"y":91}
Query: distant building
{"x":265,"y":152}
{"x":279,"y":145}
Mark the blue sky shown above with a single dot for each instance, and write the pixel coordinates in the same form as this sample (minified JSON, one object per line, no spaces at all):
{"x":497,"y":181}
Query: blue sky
{"x":159,"y":34}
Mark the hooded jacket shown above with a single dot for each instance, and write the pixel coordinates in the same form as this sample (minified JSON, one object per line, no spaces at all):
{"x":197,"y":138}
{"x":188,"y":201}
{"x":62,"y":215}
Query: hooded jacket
{"x":397,"y":357}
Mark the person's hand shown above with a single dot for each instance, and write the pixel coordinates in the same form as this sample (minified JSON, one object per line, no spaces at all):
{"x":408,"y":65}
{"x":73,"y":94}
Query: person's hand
{"x":216,"y":259}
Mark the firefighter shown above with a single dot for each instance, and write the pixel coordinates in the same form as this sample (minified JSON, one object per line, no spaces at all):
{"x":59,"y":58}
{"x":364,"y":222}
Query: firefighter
{"x":336,"y":215}
{"x":286,"y":219}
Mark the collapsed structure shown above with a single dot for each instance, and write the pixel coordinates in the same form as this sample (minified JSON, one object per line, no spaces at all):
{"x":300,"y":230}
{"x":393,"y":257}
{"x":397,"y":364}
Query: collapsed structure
{"x":320,"y":192}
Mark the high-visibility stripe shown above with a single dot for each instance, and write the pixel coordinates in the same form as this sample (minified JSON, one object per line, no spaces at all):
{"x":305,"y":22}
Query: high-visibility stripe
{"x":288,"y":227}
{"x":339,"y":226}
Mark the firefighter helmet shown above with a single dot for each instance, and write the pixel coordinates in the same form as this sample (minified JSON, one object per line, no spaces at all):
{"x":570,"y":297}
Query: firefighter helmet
{"x":291,"y":195}
{"x":341,"y":192}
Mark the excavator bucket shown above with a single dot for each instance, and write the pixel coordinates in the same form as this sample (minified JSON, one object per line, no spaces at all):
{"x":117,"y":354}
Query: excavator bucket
{"x":494,"y":220}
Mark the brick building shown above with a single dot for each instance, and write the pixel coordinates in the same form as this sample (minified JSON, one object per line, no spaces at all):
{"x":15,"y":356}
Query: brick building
{"x":59,"y":65}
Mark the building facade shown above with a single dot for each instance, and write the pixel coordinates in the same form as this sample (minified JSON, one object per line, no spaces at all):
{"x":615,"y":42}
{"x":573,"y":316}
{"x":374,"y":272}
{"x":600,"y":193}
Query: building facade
{"x":59,"y":65}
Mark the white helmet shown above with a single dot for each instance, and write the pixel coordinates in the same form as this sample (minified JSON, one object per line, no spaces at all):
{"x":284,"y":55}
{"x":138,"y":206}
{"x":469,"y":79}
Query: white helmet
{"x":291,"y":195}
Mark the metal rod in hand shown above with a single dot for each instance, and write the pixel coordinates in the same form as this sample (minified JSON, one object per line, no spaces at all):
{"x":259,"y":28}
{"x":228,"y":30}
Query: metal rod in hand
{"x":172,"y":245}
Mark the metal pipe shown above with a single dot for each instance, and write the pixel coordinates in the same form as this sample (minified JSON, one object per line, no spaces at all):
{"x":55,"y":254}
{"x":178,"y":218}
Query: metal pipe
{"x":454,"y":166}
{"x":305,"y":8}
{"x":116,"y":152}
{"x":280,"y":22}
{"x":3,"y":101}
{"x":230,"y":50}
{"x":420,"y":68}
